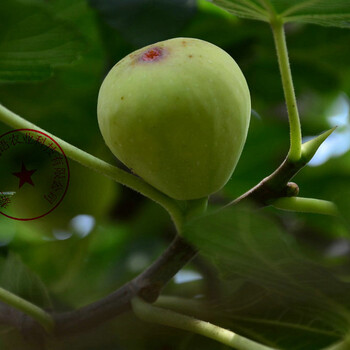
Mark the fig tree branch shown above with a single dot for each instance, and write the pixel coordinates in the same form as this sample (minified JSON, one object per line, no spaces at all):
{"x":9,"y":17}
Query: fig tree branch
{"x":147,"y":285}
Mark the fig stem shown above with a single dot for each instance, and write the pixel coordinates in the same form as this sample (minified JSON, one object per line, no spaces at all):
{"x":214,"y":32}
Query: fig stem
{"x":288,"y":88}
{"x":38,"y":314}
{"x":137,"y":184}
{"x":154,"y":314}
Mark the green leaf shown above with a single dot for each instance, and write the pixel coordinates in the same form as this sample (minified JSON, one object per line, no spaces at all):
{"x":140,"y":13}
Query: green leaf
{"x":287,"y":297}
{"x":18,"y":279}
{"x":251,"y":9}
{"x":33,"y":42}
{"x":322,"y":12}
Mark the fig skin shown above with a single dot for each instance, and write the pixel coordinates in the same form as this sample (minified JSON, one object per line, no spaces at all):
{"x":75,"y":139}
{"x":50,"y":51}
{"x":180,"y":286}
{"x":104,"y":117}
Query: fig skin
{"x":177,"y":114}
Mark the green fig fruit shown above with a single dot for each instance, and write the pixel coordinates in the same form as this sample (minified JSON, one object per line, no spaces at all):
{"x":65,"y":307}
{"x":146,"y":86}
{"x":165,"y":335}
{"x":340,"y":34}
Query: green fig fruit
{"x":177,"y":113}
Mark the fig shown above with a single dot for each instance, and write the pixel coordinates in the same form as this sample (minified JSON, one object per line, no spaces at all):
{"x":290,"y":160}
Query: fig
{"x":177,"y":114}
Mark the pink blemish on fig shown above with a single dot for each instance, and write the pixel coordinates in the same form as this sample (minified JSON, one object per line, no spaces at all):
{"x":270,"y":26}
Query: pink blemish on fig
{"x":153,"y":54}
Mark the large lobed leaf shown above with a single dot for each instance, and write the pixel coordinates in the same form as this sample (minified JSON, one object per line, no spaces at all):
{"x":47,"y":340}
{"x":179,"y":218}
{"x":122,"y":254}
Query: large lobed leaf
{"x":322,"y":12}
{"x":286,"y":297}
{"x":250,"y":9}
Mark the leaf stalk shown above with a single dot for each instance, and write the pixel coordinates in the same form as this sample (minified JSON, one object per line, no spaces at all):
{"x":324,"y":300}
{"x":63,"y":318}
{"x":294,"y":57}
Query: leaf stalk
{"x":288,"y":88}
{"x":154,"y":314}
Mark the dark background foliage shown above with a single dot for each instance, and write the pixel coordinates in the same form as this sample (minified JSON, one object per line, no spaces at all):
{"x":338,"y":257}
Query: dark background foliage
{"x":283,"y":276}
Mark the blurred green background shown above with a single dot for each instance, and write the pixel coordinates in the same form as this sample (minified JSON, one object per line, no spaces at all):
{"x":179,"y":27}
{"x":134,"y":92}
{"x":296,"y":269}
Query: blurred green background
{"x":53,"y":57}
